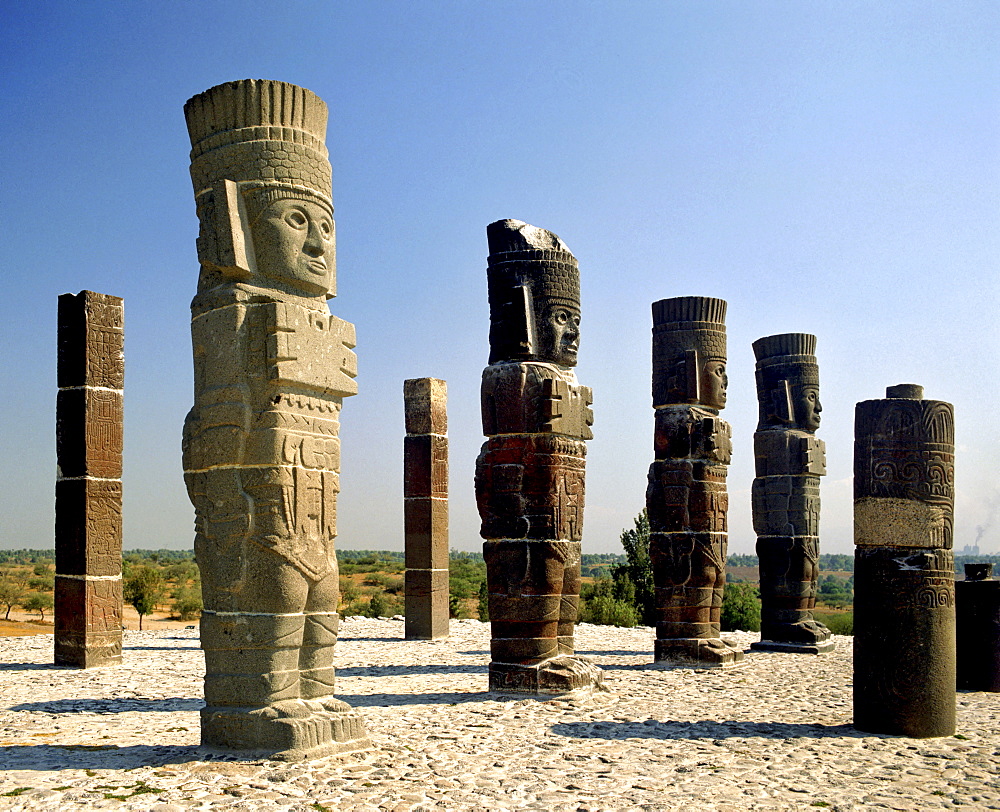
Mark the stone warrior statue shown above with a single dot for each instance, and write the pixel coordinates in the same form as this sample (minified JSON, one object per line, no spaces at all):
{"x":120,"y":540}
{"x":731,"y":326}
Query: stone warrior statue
{"x":261,"y":451}
{"x":529,"y":476}
{"x":789,"y":462}
{"x":686,"y":497}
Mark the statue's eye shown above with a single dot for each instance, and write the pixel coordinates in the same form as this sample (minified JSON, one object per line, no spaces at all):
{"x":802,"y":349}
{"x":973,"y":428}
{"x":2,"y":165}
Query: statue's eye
{"x":327,"y":228}
{"x":562,"y":316}
{"x":296,"y":219}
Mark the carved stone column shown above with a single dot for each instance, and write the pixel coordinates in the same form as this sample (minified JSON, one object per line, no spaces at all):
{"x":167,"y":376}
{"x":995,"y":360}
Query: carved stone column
{"x":686,"y":497}
{"x":89,"y":412}
{"x":425,"y":496}
{"x":904,"y":579}
{"x":530,"y":473}
{"x":789,"y":462}
{"x":977,"y":622}
{"x":261,"y":447}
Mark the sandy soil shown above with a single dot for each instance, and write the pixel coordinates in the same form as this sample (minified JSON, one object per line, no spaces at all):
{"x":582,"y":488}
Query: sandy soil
{"x":22,"y":623}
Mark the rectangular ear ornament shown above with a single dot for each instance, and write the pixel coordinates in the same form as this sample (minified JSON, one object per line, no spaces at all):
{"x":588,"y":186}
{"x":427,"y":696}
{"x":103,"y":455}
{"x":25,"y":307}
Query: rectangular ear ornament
{"x":692,"y":368}
{"x":525,"y":306}
{"x":235,"y":244}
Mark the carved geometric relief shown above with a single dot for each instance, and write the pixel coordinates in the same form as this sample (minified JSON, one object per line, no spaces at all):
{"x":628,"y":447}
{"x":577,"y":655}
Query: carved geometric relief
{"x":311,"y":349}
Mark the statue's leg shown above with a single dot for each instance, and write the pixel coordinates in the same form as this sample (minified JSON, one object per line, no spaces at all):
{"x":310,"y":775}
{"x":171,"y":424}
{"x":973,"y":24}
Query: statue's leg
{"x":320,"y":637}
{"x":525,"y":592}
{"x":569,"y":606}
{"x":688,"y":582}
{"x":788,"y":585}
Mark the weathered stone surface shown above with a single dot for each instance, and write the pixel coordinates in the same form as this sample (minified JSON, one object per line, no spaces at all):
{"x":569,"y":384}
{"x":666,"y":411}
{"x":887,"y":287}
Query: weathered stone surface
{"x":530,"y":473}
{"x":425,"y":497}
{"x":261,"y":447}
{"x":789,"y":462}
{"x":89,"y":413}
{"x":904,"y":605}
{"x":686,"y":495}
{"x":977,"y":624}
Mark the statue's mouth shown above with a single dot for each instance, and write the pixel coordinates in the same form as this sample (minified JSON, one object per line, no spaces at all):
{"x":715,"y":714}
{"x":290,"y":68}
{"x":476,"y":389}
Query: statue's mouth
{"x":317,"y":266}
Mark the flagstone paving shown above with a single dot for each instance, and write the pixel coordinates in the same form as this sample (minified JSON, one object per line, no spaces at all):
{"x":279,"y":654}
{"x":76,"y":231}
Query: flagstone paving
{"x":771,"y":733}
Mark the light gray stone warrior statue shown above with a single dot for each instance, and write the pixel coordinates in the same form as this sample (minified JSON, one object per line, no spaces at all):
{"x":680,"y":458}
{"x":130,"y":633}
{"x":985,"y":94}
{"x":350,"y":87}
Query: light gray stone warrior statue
{"x":789,"y":462}
{"x":904,"y":565}
{"x":530,"y":473}
{"x":261,"y":447}
{"x":686,"y":493}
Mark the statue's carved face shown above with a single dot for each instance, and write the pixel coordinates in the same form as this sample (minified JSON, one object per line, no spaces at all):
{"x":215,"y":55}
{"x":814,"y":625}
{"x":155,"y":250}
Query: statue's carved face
{"x":294,"y":243}
{"x":559,"y":335}
{"x":805,"y":400}
{"x":714,"y":382}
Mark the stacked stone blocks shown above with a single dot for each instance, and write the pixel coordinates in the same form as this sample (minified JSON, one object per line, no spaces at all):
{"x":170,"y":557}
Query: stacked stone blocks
{"x":789,"y":461}
{"x":530,"y":472}
{"x":425,"y":497}
{"x":686,"y":495}
{"x":261,"y":443}
{"x":904,"y":593}
{"x":89,"y":415}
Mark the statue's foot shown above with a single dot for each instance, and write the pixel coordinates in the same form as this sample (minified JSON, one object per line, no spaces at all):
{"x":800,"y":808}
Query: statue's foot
{"x":695,"y":652}
{"x":289,"y":730}
{"x":558,"y":676}
{"x":804,"y":637}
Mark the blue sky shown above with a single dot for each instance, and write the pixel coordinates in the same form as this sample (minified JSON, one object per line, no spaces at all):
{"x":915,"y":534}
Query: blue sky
{"x":828,"y":167}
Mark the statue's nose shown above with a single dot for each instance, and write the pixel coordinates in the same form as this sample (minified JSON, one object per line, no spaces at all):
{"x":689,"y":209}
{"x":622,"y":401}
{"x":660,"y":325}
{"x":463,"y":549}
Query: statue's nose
{"x":314,"y":245}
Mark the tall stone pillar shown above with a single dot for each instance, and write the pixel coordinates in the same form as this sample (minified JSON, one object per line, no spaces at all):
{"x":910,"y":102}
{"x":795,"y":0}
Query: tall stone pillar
{"x":977,"y":622}
{"x":686,"y":496}
{"x":789,"y":462}
{"x":89,"y":411}
{"x":425,"y":497}
{"x":261,"y":447}
{"x":530,"y":473}
{"x":904,"y":579}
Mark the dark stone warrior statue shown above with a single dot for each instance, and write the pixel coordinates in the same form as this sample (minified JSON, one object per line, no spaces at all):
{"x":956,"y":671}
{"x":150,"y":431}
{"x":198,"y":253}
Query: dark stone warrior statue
{"x":789,"y":462}
{"x":530,"y":473}
{"x":686,"y":497}
{"x":261,"y":447}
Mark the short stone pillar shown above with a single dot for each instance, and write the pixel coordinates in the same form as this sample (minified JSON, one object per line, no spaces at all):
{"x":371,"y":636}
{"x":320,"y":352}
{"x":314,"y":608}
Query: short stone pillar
{"x":89,"y":411}
{"x":904,"y":580}
{"x":530,"y":473}
{"x":686,"y":496}
{"x":261,"y":443}
{"x":789,"y":461}
{"x":425,"y":498}
{"x":977,"y":623}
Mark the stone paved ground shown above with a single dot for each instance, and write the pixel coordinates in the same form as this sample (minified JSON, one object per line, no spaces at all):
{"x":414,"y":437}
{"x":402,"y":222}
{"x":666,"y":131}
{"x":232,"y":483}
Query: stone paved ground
{"x":772,"y":734}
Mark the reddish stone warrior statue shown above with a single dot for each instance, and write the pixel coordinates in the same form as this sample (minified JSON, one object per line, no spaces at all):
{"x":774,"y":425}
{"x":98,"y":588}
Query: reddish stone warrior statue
{"x":530,"y":474}
{"x":789,"y":462}
{"x":686,"y":497}
{"x":261,"y":447}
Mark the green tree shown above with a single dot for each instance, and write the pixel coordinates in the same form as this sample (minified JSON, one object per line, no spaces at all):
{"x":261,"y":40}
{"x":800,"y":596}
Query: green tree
{"x":11,"y":591}
{"x":143,"y":589}
{"x":187,"y":602}
{"x":741,"y":608}
{"x":378,"y":607}
{"x":636,"y":575}
{"x":604,"y":603}
{"x":38,"y":602}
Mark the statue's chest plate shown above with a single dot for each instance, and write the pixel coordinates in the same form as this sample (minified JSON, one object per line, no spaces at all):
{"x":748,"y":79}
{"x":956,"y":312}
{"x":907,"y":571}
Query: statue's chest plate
{"x":310,"y":349}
